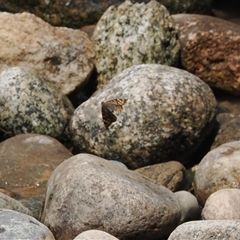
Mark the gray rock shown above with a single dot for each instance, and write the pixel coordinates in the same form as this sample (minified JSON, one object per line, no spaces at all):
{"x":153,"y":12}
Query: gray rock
{"x":10,"y":203}
{"x":63,"y":56}
{"x":189,"y":205}
{"x":87,"y":192}
{"x":222,"y":204}
{"x":18,"y":226}
{"x":94,"y":235}
{"x":217,"y":170}
{"x":132,"y":34}
{"x":171,"y":175}
{"x":208,"y":229}
{"x":30,"y":104}
{"x":167,"y":115}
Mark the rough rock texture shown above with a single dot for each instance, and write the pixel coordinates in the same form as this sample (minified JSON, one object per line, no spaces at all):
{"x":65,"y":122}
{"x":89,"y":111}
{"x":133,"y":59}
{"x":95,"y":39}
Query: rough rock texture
{"x":27,"y":162}
{"x":229,"y":129}
{"x":87,"y":192}
{"x":210,"y":49}
{"x":189,"y":206}
{"x":10,"y":203}
{"x":77,"y":13}
{"x":133,"y":34}
{"x":218,"y":169}
{"x":29,"y":104}
{"x":63,"y":56}
{"x":222,"y":204}
{"x":167,"y":114}
{"x":94,"y":235}
{"x":171,"y":175}
{"x":16,"y":225}
{"x":208,"y":229}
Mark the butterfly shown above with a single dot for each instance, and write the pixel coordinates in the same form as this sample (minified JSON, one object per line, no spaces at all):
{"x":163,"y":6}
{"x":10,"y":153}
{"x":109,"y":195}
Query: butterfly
{"x":109,"y":108}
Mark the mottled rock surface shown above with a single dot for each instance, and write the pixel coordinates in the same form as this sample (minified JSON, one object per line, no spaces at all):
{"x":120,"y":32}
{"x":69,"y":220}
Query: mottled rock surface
{"x":222,"y":204}
{"x":16,"y":225}
{"x":94,"y":235}
{"x":10,"y":203}
{"x":87,"y":192}
{"x":210,"y":49}
{"x":64,"y":56}
{"x":34,"y":204}
{"x":27,"y":161}
{"x":218,"y":169}
{"x":132,"y":34}
{"x":30,"y":104}
{"x":229,"y":129}
{"x":171,"y":175}
{"x":167,"y":114}
{"x":208,"y":229}
{"x":78,"y":13}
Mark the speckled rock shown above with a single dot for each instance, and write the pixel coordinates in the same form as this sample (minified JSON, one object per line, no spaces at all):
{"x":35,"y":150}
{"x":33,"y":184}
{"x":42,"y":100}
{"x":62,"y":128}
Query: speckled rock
{"x":16,"y":225}
{"x":77,"y":13}
{"x":133,"y":34}
{"x":222,"y":204}
{"x":10,"y":203}
{"x":167,"y":114}
{"x":29,"y":104}
{"x":208,"y":229}
{"x":218,"y":169}
{"x":63,"y":56}
{"x":94,"y":235}
{"x":27,"y":162}
{"x":210,"y":49}
{"x":87,"y":192}
{"x":171,"y":175}
{"x":229,"y":129}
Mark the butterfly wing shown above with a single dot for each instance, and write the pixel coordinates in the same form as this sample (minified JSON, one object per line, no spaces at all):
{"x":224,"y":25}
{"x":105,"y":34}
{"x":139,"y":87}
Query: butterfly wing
{"x":107,"y":115}
{"x":109,"y":108}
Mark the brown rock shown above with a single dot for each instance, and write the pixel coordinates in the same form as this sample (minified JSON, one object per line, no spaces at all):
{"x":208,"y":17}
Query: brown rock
{"x":210,"y":49}
{"x":229,"y":129}
{"x":63,"y":56}
{"x":171,"y":175}
{"x":27,"y":162}
{"x":77,"y":13}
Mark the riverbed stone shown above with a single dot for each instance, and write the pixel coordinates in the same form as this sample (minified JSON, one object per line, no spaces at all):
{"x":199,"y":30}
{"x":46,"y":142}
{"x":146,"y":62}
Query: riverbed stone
{"x":27,"y":161}
{"x":207,"y":229}
{"x":132,"y":34}
{"x":167,"y":114}
{"x":210,"y":49}
{"x":217,"y":170}
{"x":30,"y":104}
{"x":87,"y":192}
{"x":16,"y":225}
{"x":226,"y":201}
{"x":64,"y":56}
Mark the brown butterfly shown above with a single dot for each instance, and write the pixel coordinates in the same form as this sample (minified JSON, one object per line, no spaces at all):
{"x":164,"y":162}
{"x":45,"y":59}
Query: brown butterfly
{"x":109,"y":108}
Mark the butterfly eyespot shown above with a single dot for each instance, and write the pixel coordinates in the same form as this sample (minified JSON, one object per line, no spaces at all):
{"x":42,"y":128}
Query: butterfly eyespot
{"x":109,"y":108}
